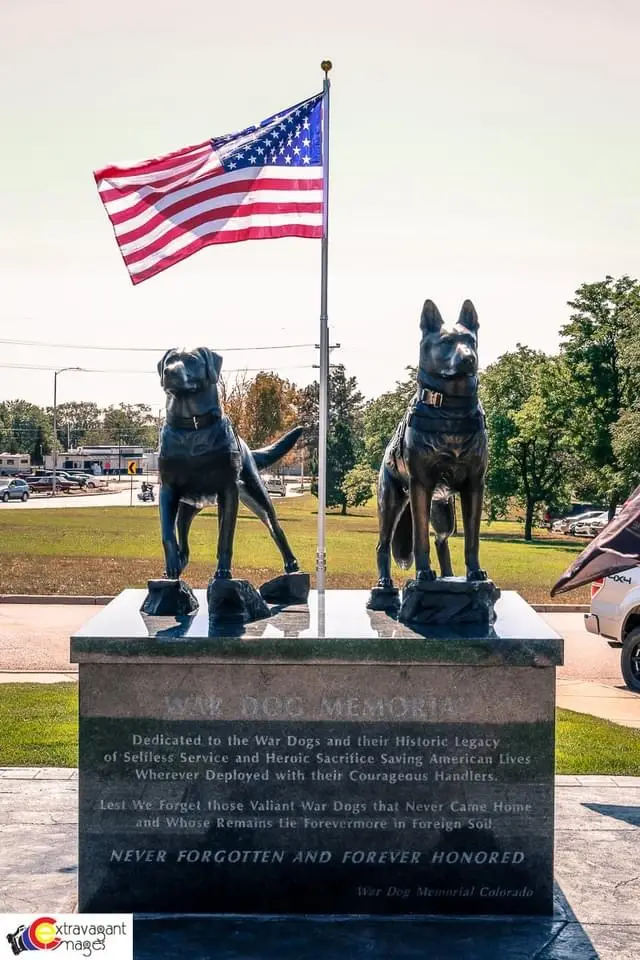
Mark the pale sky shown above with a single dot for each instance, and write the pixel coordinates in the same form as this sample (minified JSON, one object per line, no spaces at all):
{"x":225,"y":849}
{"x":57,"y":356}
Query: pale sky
{"x":484,"y":150}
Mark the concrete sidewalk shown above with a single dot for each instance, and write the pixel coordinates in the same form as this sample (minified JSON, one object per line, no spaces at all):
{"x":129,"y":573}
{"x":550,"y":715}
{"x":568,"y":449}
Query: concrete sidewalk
{"x":597,"y":895}
{"x":615,"y":703}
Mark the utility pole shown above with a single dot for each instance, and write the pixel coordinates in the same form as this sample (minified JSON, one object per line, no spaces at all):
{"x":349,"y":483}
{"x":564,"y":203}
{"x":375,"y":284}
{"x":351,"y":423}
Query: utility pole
{"x":55,"y":422}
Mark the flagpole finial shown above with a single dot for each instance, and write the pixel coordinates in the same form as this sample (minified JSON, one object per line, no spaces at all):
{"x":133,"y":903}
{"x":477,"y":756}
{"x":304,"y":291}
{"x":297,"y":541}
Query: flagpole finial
{"x":326,"y":65}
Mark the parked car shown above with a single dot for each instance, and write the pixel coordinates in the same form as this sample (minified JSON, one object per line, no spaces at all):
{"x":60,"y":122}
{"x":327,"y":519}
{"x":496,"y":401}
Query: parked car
{"x":615,"y":615}
{"x":86,"y":479}
{"x":565,"y":524}
{"x":16,"y":489}
{"x":40,"y":484}
{"x":583,"y":518}
{"x":276,"y":485}
{"x":71,"y":477}
{"x":582,"y":527}
{"x":600,"y":522}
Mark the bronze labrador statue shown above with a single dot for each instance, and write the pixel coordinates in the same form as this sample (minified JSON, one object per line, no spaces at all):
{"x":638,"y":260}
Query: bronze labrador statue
{"x":202,"y":459}
{"x":440,"y":446}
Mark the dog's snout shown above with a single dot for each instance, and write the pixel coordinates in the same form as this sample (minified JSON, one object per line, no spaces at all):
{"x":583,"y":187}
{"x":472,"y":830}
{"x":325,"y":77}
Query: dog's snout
{"x":175,"y":370}
{"x":465,"y":360}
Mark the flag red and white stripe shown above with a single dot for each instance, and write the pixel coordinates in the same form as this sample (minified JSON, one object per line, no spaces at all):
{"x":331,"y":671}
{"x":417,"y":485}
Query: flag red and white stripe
{"x":166,"y":209}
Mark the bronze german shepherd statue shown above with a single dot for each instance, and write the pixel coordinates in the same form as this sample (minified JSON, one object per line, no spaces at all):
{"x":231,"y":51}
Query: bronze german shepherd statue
{"x":439,"y":447}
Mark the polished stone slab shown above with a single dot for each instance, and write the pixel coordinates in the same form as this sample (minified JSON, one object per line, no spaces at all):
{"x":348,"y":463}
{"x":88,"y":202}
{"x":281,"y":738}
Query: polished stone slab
{"x":334,"y":627}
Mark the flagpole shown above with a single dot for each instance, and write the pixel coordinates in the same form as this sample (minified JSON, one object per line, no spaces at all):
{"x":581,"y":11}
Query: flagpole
{"x":321,"y":556}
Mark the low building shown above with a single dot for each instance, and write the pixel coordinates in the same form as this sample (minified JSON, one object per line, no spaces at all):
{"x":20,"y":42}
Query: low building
{"x":110,"y":460}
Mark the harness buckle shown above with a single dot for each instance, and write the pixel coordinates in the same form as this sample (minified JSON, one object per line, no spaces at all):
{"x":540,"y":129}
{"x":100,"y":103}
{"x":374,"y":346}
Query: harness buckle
{"x":195,"y":423}
{"x":432,"y":398}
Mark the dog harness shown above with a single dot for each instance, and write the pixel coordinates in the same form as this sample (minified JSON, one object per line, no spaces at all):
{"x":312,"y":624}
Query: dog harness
{"x":435,"y":412}
{"x":196,"y":422}
{"x":434,"y":399}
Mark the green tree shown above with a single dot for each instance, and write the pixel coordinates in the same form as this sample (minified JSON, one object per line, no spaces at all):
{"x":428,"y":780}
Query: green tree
{"x":600,"y":348}
{"x":41,"y":445}
{"x":25,"y":428}
{"x":75,"y":420}
{"x":344,"y":435}
{"x":527,"y":400}
{"x":382,"y":415}
{"x":625,"y":442}
{"x":5,"y":431}
{"x":358,"y":485}
{"x":128,"y":423}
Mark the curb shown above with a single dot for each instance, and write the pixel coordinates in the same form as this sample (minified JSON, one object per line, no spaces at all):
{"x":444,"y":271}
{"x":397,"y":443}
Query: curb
{"x":52,"y":599}
{"x":561,"y":607}
{"x":101,"y":601}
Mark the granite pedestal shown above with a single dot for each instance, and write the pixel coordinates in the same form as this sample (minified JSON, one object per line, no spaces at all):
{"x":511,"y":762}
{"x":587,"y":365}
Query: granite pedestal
{"x":329,"y":760}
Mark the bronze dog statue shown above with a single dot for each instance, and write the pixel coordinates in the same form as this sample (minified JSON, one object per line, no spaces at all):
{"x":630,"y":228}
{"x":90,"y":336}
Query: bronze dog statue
{"x":202,"y":459}
{"x":440,"y":446}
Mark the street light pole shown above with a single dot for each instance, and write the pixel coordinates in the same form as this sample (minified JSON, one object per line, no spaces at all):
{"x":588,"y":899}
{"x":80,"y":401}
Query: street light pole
{"x":55,"y":423}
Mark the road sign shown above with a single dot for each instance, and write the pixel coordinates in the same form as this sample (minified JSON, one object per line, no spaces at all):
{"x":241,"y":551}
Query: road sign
{"x":132,"y":467}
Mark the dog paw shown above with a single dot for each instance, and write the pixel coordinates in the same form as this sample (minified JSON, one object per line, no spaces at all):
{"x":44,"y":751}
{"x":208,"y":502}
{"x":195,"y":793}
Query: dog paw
{"x":426,"y":576}
{"x":475,"y":575}
{"x":173,"y":566}
{"x":222,"y":574}
{"x":385,"y":583}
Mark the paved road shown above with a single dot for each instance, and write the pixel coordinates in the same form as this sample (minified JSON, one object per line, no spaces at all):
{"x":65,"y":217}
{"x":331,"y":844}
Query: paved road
{"x":121,"y":498}
{"x":586,"y":656}
{"x":36,"y":637}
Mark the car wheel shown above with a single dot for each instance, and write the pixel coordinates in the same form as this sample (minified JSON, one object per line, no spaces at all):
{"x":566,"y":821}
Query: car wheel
{"x":5,"y":498}
{"x":630,"y":660}
{"x":24,"y":497}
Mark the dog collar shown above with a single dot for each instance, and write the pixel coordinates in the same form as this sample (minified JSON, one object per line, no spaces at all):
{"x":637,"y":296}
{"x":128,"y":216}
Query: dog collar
{"x":433,"y":398}
{"x":194,"y":423}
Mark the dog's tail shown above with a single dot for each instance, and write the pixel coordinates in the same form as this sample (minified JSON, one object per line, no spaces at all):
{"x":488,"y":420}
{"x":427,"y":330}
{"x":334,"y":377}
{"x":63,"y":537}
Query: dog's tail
{"x":267,"y":456}
{"x":402,"y":540}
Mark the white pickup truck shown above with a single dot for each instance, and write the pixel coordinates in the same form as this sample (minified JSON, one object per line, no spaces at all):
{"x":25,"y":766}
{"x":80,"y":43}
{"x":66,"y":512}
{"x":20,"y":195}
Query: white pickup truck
{"x":615,"y":615}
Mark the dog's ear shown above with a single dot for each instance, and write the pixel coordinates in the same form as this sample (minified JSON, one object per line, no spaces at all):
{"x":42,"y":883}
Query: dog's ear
{"x":162,"y":362}
{"x":430,"y":319}
{"x":213,"y":361}
{"x":468,"y":317}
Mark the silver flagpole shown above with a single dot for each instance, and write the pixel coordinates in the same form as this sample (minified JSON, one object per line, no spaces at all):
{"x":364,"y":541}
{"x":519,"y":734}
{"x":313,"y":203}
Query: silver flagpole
{"x":321,"y":556}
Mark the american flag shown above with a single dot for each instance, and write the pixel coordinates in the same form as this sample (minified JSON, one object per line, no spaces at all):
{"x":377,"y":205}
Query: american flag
{"x":263,"y":182}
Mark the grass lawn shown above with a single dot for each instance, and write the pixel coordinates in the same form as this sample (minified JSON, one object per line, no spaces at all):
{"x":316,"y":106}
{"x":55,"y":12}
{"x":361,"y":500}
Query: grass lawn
{"x":39,"y":724}
{"x":104,"y":549}
{"x":40,"y":728}
{"x":587,"y":744}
